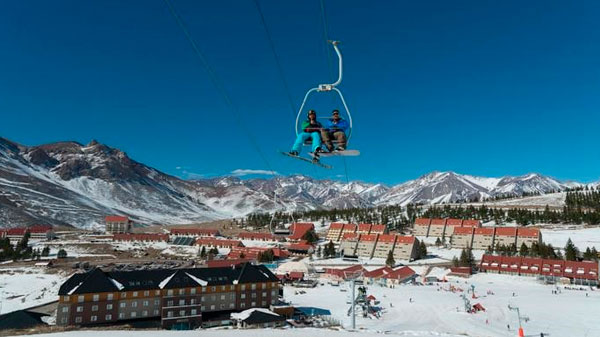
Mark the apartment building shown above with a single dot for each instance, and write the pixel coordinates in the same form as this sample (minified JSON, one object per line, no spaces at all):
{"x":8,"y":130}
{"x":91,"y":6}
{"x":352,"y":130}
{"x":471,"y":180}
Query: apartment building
{"x":437,"y":227}
{"x":421,"y":227}
{"x":178,"y":298}
{"x":505,"y":236}
{"x":141,"y":237}
{"x":406,"y":248}
{"x":115,"y":224}
{"x":528,"y":236}
{"x":483,"y":238}
{"x":366,"y":245}
{"x":462,"y":237}
{"x":348,"y":244}
{"x":335,"y":232}
{"x":451,"y":224}
{"x":194,"y":232}
{"x":385,"y":245}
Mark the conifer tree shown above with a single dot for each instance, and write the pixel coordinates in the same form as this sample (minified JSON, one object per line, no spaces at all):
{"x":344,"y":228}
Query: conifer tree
{"x":390,"y":262}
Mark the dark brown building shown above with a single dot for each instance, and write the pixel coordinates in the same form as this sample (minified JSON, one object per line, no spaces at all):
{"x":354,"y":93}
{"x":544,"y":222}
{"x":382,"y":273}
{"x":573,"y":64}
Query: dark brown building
{"x":179,"y":298}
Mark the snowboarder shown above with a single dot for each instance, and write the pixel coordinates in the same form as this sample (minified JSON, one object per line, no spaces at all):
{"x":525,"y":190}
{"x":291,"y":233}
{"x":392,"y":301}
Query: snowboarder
{"x":335,"y":128}
{"x":311,"y":128}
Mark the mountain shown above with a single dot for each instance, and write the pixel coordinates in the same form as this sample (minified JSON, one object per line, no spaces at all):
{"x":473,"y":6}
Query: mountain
{"x":67,"y":183}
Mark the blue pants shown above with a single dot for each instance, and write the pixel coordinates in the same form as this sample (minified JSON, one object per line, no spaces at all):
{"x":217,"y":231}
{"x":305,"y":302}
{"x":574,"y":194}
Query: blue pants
{"x":316,"y":141}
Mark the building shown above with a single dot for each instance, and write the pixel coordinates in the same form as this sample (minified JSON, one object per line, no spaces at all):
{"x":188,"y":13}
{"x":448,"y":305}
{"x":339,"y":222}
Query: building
{"x":300,"y":248}
{"x":366,"y":245}
{"x":578,"y":272}
{"x":462,"y":237}
{"x":41,"y":232}
{"x":179,"y":298}
{"x":471,"y":223}
{"x":334,"y":232}
{"x":299,"y":229}
{"x":505,"y":236}
{"x":363,"y":228}
{"x":209,"y":242}
{"x":141,"y":237}
{"x":528,"y":236}
{"x":348,"y":244}
{"x":378,"y":229}
{"x":451,"y":224}
{"x":118,"y":224}
{"x":483,"y":238}
{"x":437,"y":227}
{"x":421,"y":227}
{"x":348,"y":228}
{"x":268,"y":237}
{"x":194,"y":232}
{"x":385,"y":245}
{"x":399,"y":276}
{"x":406,"y":248}
{"x":257,"y":318}
{"x":336,"y":274}
{"x":252,"y":252}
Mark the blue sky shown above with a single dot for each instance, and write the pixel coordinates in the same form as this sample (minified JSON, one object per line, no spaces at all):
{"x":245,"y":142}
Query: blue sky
{"x":478,"y":87}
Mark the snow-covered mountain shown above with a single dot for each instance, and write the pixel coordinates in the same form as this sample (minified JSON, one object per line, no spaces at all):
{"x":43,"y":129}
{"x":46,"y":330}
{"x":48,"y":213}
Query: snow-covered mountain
{"x":68,"y":183}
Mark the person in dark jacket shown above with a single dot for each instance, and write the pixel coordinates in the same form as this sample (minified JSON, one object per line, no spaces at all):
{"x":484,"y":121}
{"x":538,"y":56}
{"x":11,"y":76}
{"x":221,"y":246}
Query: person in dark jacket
{"x":335,"y":128}
{"x":311,"y":128}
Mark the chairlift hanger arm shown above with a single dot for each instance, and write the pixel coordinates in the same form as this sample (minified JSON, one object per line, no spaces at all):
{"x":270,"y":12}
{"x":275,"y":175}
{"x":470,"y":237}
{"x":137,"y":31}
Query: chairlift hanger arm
{"x":328,"y":87}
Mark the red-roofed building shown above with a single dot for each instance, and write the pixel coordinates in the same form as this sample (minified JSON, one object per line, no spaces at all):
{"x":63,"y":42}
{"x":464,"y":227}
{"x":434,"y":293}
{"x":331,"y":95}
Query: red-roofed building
{"x":348,"y":244}
{"x":471,"y":223}
{"x":227,"y":262}
{"x":299,"y":229}
{"x":194,"y":232}
{"x":366,"y":245}
{"x":349,"y":228}
{"x":579,"y":272}
{"x":374,"y":275}
{"x":340,"y":274}
{"x":218,"y":243}
{"x":399,"y":276}
{"x":335,"y":232}
{"x":406,"y":248}
{"x":461,"y":271}
{"x":421,"y":227}
{"x":116,"y":224}
{"x":41,"y":232}
{"x":378,"y":229}
{"x":142,"y":237}
{"x":268,"y":237}
{"x":252,"y":252}
{"x":15,"y":234}
{"x":462,"y":237}
{"x":483,"y":237}
{"x":450,"y":225}
{"x":363,"y":228}
{"x":528,"y":236}
{"x":437,"y":227}
{"x":385,"y":245}
{"x":505,"y":236}
{"x":300,"y":248}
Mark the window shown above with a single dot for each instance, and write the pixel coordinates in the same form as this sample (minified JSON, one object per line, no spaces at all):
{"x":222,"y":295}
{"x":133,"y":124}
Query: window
{"x":135,"y":293}
{"x":94,"y":308}
{"x":213,"y":289}
{"x":96,"y":297}
{"x":243,"y":296}
{"x":242,"y":305}
{"x":212,"y":307}
{"x":223,"y":288}
{"x":253,"y":304}
{"x":170,"y":314}
{"x":193,"y":301}
{"x":213,"y":297}
{"x":109,"y":306}
{"x":109,"y":297}
{"x":253,"y":286}
{"x":264,"y":294}
{"x":193,"y":291}
{"x":123,"y":295}
{"x":145,"y":313}
{"x":80,"y":298}
{"x":181,"y":312}
{"x":274,"y":293}
{"x":134,"y":304}
{"x":78,"y":319}
{"x":108,"y":317}
{"x":145,"y":303}
{"x":93,"y":318}
{"x":133,"y":314}
{"x":64,"y":320}
{"x":273,"y":301}
{"x":181,"y":291}
{"x":203,"y":289}
{"x":157,"y":292}
{"x":264,"y":303}
{"x":231,"y":287}
{"x":202,"y":299}
{"x":231,"y":305}
{"x":203,"y":308}
{"x":170,"y":292}
{"x":222,"y":305}
{"x":79,"y":309}
{"x":243,"y":287}
{"x":65,"y":309}
{"x":122,"y":304}
{"x":194,"y":312}
{"x":181,"y":302}
{"x":253,"y":295}
{"x":264,"y":286}
{"x":170,"y":303}
{"x":222,"y":297}
{"x":147,"y":293}
{"x":156,"y":312}
{"x":121,"y":315}
{"x":66,"y":298}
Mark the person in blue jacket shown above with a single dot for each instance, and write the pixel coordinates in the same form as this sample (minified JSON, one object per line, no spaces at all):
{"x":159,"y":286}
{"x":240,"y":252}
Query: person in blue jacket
{"x":311,"y":128}
{"x":335,"y":128}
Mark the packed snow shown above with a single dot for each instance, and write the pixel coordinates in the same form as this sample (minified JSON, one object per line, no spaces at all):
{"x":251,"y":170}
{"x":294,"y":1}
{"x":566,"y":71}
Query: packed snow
{"x":22,"y":288}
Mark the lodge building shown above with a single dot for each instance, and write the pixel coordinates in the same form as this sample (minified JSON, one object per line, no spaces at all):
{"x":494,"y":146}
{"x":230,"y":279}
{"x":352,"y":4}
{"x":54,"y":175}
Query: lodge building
{"x":178,"y":298}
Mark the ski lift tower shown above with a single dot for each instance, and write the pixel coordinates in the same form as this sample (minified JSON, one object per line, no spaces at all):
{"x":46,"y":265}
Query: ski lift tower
{"x":512,"y":308}
{"x":352,"y":276}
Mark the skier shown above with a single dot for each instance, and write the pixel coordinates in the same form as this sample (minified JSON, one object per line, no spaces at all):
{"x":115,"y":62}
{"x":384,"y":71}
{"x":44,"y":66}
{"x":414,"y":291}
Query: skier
{"x":335,"y":128}
{"x":311,"y":128}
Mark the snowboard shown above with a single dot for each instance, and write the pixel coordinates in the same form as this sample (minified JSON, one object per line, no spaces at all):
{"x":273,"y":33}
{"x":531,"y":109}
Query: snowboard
{"x":340,"y":153}
{"x":308,"y":160}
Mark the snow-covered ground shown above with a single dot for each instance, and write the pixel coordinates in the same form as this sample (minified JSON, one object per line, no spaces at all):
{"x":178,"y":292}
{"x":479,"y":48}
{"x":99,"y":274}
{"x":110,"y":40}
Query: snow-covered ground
{"x":435,"y":311}
{"x":581,"y":237}
{"x":22,"y":288}
{"x":551,"y":199}
{"x":238,"y":333}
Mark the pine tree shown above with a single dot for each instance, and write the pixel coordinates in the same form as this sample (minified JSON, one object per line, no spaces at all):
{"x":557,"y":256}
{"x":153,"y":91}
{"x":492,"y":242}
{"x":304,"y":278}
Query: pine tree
{"x":310,"y":236}
{"x":438,"y":242}
{"x":570,"y":251}
{"x":203,"y":252}
{"x":422,"y":250}
{"x":46,"y":251}
{"x":464,"y":259}
{"x":523,"y":251}
{"x":594,"y":251}
{"x":61,"y":254}
{"x":455,"y":262}
{"x":390,"y":262}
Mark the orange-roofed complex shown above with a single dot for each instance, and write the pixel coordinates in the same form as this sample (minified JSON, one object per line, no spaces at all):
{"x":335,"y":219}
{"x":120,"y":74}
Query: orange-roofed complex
{"x":349,"y":228}
{"x":385,"y":244}
{"x":378,"y":229}
{"x":483,"y":238}
{"x":348,"y":244}
{"x":505,"y":236}
{"x":421,"y":227}
{"x":258,"y":237}
{"x":118,"y":224}
{"x":364,"y":228}
{"x":335,"y":232}
{"x":450,"y":225}
{"x":299,"y":229}
{"x":195,"y":232}
{"x":218,"y":243}
{"x":471,"y":223}
{"x":462,"y":237}
{"x":437,"y":227}
{"x":406,"y":248}
{"x":528,"y":236}
{"x":141,"y":237}
{"x":366,"y":245}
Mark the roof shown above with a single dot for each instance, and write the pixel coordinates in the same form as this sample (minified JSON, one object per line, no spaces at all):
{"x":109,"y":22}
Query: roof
{"x":226,"y":263}
{"x":368,"y":237}
{"x":463,"y":231}
{"x":506,"y":231}
{"x":141,"y":236}
{"x":349,"y":227}
{"x":441,"y":222}
{"x":471,"y":223}
{"x":299,"y":229}
{"x":254,"y":236}
{"x":401,"y":273}
{"x":528,"y":232}
{"x":378,"y":229}
{"x":40,"y":228}
{"x":422,"y":222}
{"x":305,"y":247}
{"x":96,"y":280}
{"x":484,"y":231}
{"x":388,"y":238}
{"x":336,"y":225}
{"x":219,"y":242}
{"x":16,"y":231}
{"x":201,"y":231}
{"x":364,"y":227}
{"x":454,"y":222}
{"x":116,"y":218}
{"x":257,"y":316}
{"x":21,"y":319}
{"x":349,"y":236}
{"x":405,"y":239}
{"x":379,"y":272}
